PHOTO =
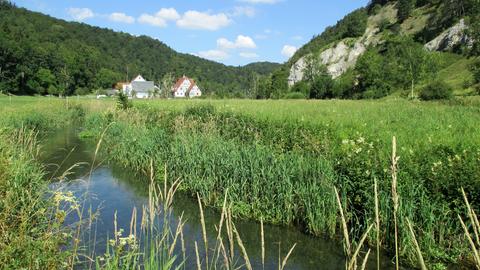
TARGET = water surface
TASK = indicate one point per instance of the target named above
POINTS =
(112, 189)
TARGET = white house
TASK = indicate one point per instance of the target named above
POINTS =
(139, 88)
(186, 87)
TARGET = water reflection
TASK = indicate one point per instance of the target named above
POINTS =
(111, 189)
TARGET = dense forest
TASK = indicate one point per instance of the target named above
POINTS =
(398, 63)
(43, 55)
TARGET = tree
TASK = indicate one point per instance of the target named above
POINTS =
(43, 80)
(313, 68)
(405, 8)
(356, 23)
(412, 62)
(322, 87)
(106, 78)
(279, 83)
(166, 85)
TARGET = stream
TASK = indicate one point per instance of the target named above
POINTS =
(111, 188)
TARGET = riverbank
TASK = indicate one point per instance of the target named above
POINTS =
(30, 226)
(284, 171)
(282, 167)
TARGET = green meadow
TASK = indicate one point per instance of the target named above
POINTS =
(280, 161)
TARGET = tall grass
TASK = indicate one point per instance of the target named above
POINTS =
(31, 232)
(284, 172)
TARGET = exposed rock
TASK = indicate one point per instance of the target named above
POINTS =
(450, 38)
(338, 58)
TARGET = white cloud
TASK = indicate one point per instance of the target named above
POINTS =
(224, 44)
(248, 55)
(80, 14)
(289, 50)
(297, 38)
(260, 1)
(121, 17)
(168, 14)
(245, 42)
(242, 42)
(152, 20)
(214, 55)
(160, 18)
(203, 21)
(243, 11)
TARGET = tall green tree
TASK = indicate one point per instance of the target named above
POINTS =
(405, 8)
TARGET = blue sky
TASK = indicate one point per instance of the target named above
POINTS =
(233, 32)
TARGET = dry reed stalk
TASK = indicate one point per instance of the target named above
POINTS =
(476, 228)
(219, 239)
(417, 247)
(472, 244)
(204, 230)
(179, 228)
(199, 266)
(284, 263)
(377, 222)
(395, 196)
(242, 248)
(344, 223)
(230, 234)
(225, 257)
(133, 222)
(184, 250)
(353, 262)
(472, 216)
(115, 226)
(365, 260)
(262, 236)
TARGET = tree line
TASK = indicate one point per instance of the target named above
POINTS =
(43, 55)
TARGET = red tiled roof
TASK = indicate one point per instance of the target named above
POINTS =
(180, 82)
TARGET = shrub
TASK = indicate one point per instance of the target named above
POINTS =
(436, 90)
(81, 91)
(475, 68)
(123, 102)
(322, 87)
(301, 87)
(294, 95)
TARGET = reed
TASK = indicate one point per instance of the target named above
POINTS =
(421, 262)
(475, 246)
(377, 223)
(395, 198)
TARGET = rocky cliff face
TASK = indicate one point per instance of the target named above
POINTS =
(338, 58)
(450, 38)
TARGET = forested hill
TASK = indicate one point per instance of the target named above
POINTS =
(44, 55)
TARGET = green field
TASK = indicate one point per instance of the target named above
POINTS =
(281, 160)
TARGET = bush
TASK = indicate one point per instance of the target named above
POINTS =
(301, 87)
(475, 68)
(122, 102)
(81, 91)
(294, 95)
(436, 90)
(322, 87)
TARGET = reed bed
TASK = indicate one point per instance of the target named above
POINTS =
(285, 173)
(31, 232)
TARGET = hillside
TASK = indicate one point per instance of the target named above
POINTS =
(41, 55)
(385, 48)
